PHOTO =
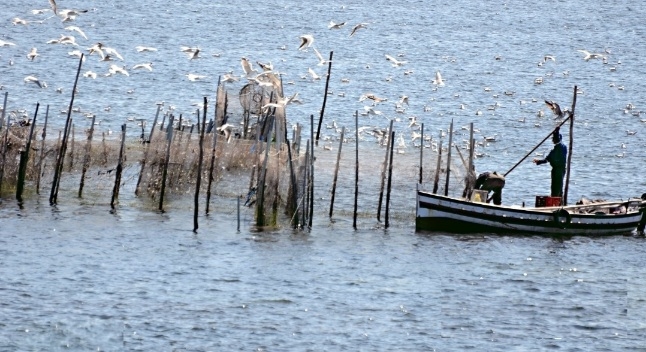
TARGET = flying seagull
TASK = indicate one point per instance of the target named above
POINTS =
(556, 109)
(438, 79)
(76, 29)
(306, 41)
(394, 61)
(32, 54)
(358, 27)
(52, 3)
(246, 66)
(333, 25)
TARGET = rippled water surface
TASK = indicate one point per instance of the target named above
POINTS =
(79, 277)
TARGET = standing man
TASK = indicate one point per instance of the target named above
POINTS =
(557, 159)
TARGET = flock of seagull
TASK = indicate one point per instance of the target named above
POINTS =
(267, 76)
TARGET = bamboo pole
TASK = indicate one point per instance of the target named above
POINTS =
(72, 134)
(311, 179)
(61, 154)
(169, 141)
(24, 158)
(421, 155)
(146, 149)
(336, 170)
(117, 178)
(356, 169)
(569, 154)
(390, 179)
(437, 168)
(4, 143)
(448, 160)
(198, 182)
(327, 84)
(4, 109)
(86, 158)
(212, 166)
(39, 169)
(384, 168)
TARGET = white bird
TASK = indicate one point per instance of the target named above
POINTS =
(313, 74)
(265, 67)
(246, 67)
(322, 61)
(90, 74)
(76, 53)
(227, 128)
(148, 66)
(32, 54)
(229, 78)
(76, 29)
(194, 54)
(32, 79)
(306, 41)
(394, 61)
(96, 48)
(589, 55)
(67, 39)
(113, 52)
(281, 102)
(145, 48)
(17, 20)
(358, 27)
(549, 57)
(187, 49)
(114, 69)
(70, 15)
(438, 79)
(556, 109)
(193, 77)
(333, 25)
(4, 43)
(52, 3)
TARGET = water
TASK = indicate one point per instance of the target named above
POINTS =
(78, 277)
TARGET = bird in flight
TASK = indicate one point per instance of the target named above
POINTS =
(306, 41)
(556, 109)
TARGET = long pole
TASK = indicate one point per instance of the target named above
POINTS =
(421, 155)
(356, 168)
(327, 84)
(390, 179)
(311, 181)
(569, 155)
(437, 168)
(24, 157)
(384, 168)
(117, 178)
(86, 159)
(42, 151)
(4, 143)
(336, 170)
(146, 148)
(198, 182)
(448, 160)
(4, 109)
(538, 145)
(169, 140)
(61, 154)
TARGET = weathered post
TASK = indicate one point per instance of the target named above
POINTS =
(327, 84)
(439, 164)
(169, 141)
(198, 182)
(448, 160)
(569, 154)
(24, 157)
(146, 148)
(336, 170)
(390, 178)
(384, 168)
(356, 169)
(4, 142)
(86, 158)
(421, 155)
(117, 178)
(39, 169)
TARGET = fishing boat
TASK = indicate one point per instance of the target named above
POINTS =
(460, 215)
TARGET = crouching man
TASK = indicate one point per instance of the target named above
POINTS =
(491, 182)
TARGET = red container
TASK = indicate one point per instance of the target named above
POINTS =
(547, 201)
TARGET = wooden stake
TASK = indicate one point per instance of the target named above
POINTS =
(39, 169)
(61, 154)
(421, 155)
(327, 84)
(169, 141)
(336, 170)
(260, 207)
(356, 169)
(437, 169)
(384, 168)
(311, 179)
(86, 158)
(448, 160)
(390, 178)
(117, 178)
(212, 166)
(4, 109)
(198, 182)
(5, 140)
(24, 157)
(146, 149)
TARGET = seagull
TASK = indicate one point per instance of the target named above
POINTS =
(70, 15)
(281, 102)
(358, 27)
(144, 48)
(549, 57)
(313, 74)
(246, 66)
(556, 109)
(4, 43)
(589, 55)
(322, 61)
(193, 77)
(32, 54)
(17, 20)
(226, 129)
(394, 61)
(187, 49)
(306, 41)
(76, 29)
(76, 53)
(229, 78)
(96, 48)
(194, 54)
(32, 79)
(112, 52)
(148, 66)
(333, 25)
(90, 74)
(372, 97)
(67, 39)
(265, 67)
(52, 3)
(438, 79)
(114, 69)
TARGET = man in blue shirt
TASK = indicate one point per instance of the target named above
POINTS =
(557, 159)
